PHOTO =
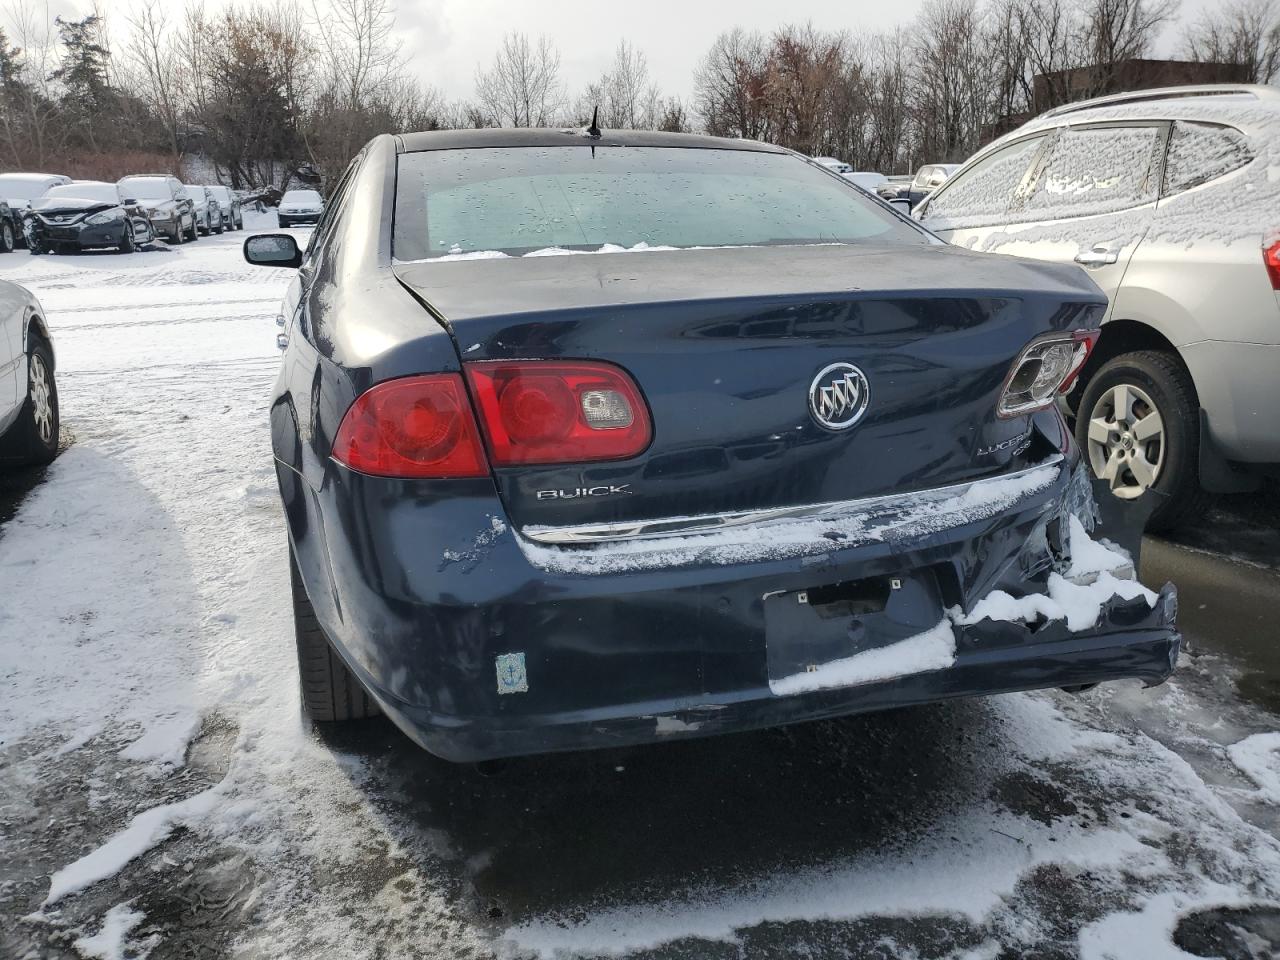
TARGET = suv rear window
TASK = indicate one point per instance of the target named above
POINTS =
(1095, 170)
(1200, 152)
(521, 200)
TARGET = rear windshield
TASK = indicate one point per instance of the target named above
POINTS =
(222, 193)
(522, 200)
(145, 188)
(301, 196)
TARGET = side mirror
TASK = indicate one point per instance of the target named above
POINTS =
(901, 204)
(131, 200)
(273, 250)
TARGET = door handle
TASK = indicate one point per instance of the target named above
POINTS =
(282, 340)
(1101, 255)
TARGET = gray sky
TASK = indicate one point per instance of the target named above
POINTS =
(448, 39)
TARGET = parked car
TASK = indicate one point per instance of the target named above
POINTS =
(867, 180)
(897, 186)
(207, 208)
(831, 163)
(28, 392)
(228, 206)
(300, 206)
(84, 215)
(10, 227)
(621, 438)
(927, 179)
(1170, 201)
(17, 190)
(170, 211)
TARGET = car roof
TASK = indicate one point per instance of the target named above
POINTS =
(1244, 105)
(33, 176)
(547, 137)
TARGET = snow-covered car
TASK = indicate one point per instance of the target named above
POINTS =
(228, 204)
(1171, 202)
(207, 208)
(895, 186)
(300, 206)
(28, 394)
(17, 190)
(831, 163)
(85, 215)
(160, 195)
(866, 179)
(617, 438)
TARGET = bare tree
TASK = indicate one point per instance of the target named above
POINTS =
(1246, 32)
(729, 86)
(1119, 30)
(522, 88)
(157, 77)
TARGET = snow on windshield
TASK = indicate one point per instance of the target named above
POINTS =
(145, 188)
(1222, 186)
(103, 192)
(17, 187)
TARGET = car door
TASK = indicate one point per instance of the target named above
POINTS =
(1090, 201)
(13, 371)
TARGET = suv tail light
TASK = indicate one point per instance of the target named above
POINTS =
(552, 411)
(418, 427)
(1271, 257)
(1046, 367)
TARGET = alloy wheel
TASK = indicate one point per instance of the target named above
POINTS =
(1126, 440)
(41, 393)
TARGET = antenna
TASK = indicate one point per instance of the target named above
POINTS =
(594, 129)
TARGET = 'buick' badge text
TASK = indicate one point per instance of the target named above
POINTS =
(577, 492)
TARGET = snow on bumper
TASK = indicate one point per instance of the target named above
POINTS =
(629, 643)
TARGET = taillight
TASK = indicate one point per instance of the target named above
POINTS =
(412, 427)
(552, 411)
(1271, 257)
(1046, 367)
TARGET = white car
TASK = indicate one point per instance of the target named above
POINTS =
(1170, 199)
(28, 395)
(300, 206)
(867, 180)
(831, 163)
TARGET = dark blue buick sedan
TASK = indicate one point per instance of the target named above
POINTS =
(589, 439)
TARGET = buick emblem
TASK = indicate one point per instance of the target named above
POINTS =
(839, 395)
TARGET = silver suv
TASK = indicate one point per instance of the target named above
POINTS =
(1170, 199)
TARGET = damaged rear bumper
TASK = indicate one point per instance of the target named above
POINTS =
(480, 642)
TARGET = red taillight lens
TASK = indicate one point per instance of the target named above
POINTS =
(413, 427)
(1085, 341)
(1271, 257)
(550, 411)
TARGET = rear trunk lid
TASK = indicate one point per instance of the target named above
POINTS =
(725, 345)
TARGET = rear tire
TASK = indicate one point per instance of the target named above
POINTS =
(33, 438)
(194, 232)
(1155, 384)
(7, 237)
(127, 243)
(330, 693)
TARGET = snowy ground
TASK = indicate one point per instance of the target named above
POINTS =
(160, 795)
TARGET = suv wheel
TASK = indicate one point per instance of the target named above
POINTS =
(330, 692)
(6, 237)
(194, 232)
(1138, 427)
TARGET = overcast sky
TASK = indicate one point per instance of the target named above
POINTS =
(448, 39)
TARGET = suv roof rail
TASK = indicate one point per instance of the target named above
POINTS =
(1257, 91)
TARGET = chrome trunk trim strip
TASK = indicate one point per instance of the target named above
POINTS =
(711, 523)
